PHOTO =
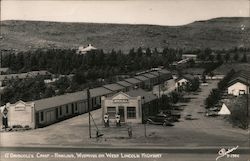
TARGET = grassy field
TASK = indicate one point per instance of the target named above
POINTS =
(215, 33)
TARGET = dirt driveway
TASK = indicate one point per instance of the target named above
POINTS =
(204, 131)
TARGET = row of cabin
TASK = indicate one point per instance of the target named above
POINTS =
(47, 111)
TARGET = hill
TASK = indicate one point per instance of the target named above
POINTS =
(219, 33)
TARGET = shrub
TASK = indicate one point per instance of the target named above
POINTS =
(17, 126)
(238, 117)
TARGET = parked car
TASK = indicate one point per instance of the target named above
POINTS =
(212, 114)
(160, 119)
(172, 115)
(188, 117)
(214, 109)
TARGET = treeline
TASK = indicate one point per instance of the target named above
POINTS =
(93, 65)
(231, 55)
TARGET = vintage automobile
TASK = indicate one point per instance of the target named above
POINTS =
(212, 114)
(188, 117)
(159, 119)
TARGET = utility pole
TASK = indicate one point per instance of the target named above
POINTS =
(248, 86)
(159, 84)
(145, 119)
(88, 99)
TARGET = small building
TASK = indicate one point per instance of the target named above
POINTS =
(182, 81)
(224, 110)
(189, 56)
(129, 108)
(129, 105)
(238, 87)
(21, 114)
(239, 83)
(84, 50)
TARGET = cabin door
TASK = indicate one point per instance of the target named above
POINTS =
(121, 112)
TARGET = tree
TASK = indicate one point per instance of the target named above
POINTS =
(193, 85)
(174, 96)
(213, 98)
(219, 57)
(49, 92)
(211, 58)
(227, 57)
(244, 58)
(236, 57)
(207, 51)
(238, 116)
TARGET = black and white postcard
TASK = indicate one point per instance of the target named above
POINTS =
(124, 80)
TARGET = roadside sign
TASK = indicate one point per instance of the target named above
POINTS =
(5, 112)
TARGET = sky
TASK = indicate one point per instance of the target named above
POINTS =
(156, 12)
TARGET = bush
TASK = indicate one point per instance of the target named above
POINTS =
(238, 117)
(213, 98)
(27, 127)
(17, 126)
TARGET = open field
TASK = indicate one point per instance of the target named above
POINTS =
(220, 33)
(200, 132)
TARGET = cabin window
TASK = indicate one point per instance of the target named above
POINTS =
(67, 109)
(41, 116)
(242, 92)
(60, 110)
(111, 112)
(131, 112)
(75, 106)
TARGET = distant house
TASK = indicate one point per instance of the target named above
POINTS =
(238, 87)
(189, 56)
(224, 110)
(182, 81)
(239, 84)
(84, 50)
